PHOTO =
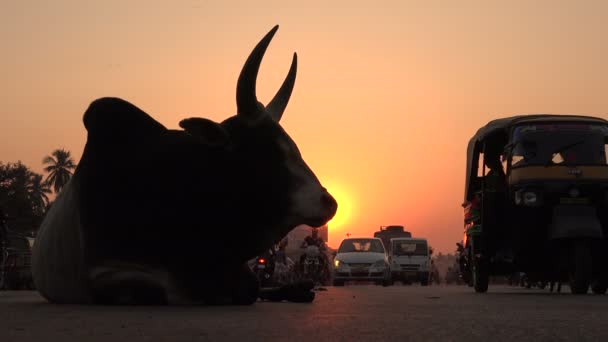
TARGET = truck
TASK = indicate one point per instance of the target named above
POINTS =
(386, 233)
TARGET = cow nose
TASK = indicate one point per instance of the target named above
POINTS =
(328, 202)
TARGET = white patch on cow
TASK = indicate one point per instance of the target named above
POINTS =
(57, 260)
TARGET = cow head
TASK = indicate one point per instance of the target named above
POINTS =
(270, 166)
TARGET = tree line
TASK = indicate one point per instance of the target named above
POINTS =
(25, 194)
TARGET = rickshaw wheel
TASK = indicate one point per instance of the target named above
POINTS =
(480, 275)
(580, 273)
(479, 271)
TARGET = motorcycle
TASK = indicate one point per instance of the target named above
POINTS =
(314, 265)
(264, 268)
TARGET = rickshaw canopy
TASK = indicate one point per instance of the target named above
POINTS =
(497, 131)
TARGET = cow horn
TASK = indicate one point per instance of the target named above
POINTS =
(246, 100)
(276, 107)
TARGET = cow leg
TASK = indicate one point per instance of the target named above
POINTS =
(240, 287)
(216, 284)
(113, 286)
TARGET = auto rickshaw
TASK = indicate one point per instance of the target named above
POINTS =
(536, 201)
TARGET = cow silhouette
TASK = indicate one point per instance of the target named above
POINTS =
(160, 216)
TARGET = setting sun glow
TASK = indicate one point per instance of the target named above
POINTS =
(344, 212)
(386, 97)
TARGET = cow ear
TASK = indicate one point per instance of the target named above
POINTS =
(210, 132)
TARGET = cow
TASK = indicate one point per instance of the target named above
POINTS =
(170, 216)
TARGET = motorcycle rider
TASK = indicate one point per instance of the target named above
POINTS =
(283, 264)
(280, 253)
(314, 240)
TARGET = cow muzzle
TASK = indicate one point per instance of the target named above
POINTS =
(329, 203)
(327, 210)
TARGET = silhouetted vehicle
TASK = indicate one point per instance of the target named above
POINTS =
(536, 198)
(284, 271)
(273, 268)
(531, 281)
(463, 267)
(452, 276)
(433, 275)
(514, 279)
(264, 268)
(386, 233)
(15, 268)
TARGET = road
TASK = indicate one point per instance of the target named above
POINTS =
(350, 313)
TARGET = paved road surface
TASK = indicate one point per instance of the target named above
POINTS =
(351, 313)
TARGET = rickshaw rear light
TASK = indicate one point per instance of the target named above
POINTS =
(261, 261)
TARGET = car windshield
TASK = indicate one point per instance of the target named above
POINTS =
(559, 144)
(410, 248)
(361, 245)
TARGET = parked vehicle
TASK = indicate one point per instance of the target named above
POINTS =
(264, 267)
(15, 266)
(536, 200)
(361, 259)
(410, 261)
(284, 271)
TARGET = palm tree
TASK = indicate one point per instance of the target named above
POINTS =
(60, 166)
(37, 191)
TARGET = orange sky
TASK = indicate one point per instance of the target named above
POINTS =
(388, 93)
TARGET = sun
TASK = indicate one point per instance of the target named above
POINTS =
(343, 214)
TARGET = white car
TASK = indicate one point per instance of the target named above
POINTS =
(410, 260)
(361, 259)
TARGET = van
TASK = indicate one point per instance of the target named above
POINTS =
(410, 260)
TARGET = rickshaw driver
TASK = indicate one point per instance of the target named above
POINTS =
(496, 180)
(496, 183)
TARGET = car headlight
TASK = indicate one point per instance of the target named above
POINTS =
(379, 263)
(337, 263)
